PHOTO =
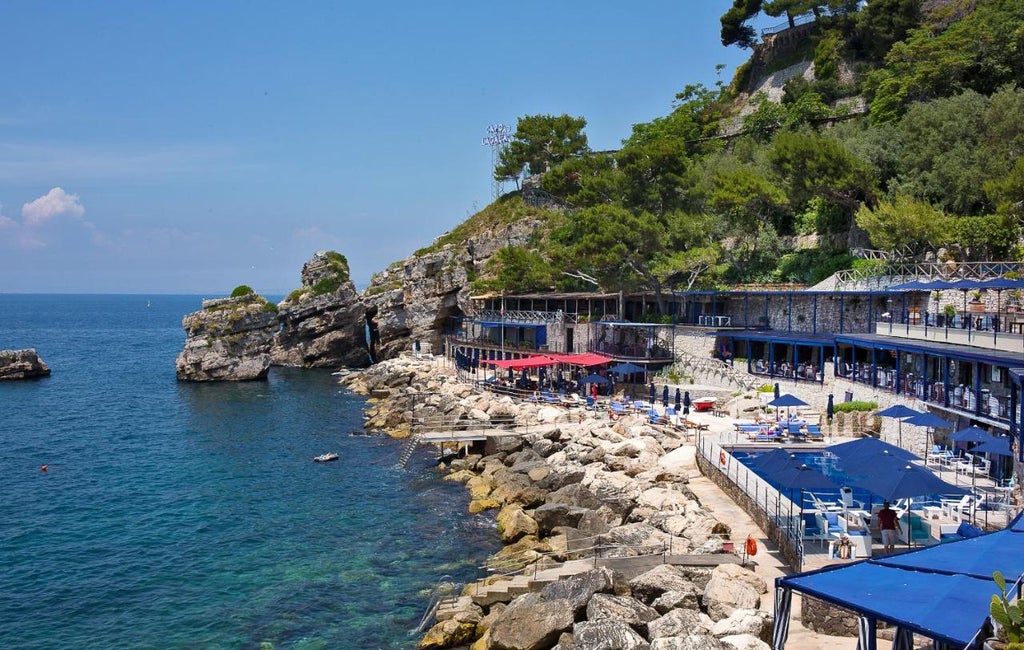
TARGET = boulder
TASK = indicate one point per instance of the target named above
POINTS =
(530, 626)
(621, 608)
(662, 578)
(448, 634)
(577, 590)
(228, 340)
(729, 590)
(745, 642)
(686, 599)
(513, 523)
(680, 622)
(606, 634)
(755, 622)
(22, 364)
(323, 323)
(690, 642)
(553, 515)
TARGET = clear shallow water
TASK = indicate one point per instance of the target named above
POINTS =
(178, 515)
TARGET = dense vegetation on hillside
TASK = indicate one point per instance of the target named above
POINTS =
(936, 166)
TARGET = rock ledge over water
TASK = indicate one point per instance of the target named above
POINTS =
(22, 364)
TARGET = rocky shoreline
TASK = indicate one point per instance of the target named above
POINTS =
(576, 486)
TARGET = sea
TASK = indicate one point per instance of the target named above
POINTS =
(188, 515)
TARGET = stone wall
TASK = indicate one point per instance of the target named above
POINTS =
(826, 618)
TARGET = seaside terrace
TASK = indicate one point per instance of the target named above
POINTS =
(958, 358)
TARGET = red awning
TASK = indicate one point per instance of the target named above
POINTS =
(535, 361)
(585, 359)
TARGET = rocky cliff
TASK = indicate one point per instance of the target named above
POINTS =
(228, 340)
(322, 324)
(22, 364)
(414, 300)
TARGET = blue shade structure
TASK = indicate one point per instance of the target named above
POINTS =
(971, 434)
(900, 412)
(907, 481)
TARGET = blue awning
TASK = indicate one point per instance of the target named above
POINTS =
(949, 608)
(977, 557)
(510, 324)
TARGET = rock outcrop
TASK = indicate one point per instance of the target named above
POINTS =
(228, 340)
(22, 364)
(412, 300)
(322, 324)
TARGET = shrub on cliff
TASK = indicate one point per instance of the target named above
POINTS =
(242, 290)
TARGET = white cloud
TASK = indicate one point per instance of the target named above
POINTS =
(54, 203)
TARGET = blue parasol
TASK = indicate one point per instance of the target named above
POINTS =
(971, 434)
(999, 446)
(595, 379)
(654, 393)
(906, 482)
(664, 396)
(900, 412)
(679, 400)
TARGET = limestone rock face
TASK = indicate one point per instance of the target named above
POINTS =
(413, 300)
(22, 364)
(323, 324)
(228, 340)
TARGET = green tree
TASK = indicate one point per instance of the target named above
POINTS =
(811, 164)
(903, 222)
(735, 31)
(516, 269)
(981, 51)
(541, 142)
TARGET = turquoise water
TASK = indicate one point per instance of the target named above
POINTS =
(177, 515)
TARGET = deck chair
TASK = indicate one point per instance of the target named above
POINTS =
(812, 530)
(814, 432)
(955, 510)
(914, 530)
(846, 497)
(822, 506)
(829, 523)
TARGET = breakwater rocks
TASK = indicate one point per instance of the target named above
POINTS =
(22, 364)
(606, 546)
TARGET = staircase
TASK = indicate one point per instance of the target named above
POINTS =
(410, 448)
(711, 367)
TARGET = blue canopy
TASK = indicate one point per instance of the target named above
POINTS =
(971, 434)
(627, 369)
(869, 448)
(942, 592)
(893, 483)
(595, 379)
(999, 446)
(998, 284)
(929, 420)
(787, 400)
(949, 608)
(916, 285)
(899, 412)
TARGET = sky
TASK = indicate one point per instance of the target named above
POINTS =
(190, 147)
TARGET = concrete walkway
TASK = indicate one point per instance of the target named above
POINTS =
(769, 565)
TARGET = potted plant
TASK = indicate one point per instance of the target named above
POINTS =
(950, 312)
(1014, 303)
(976, 304)
(1008, 619)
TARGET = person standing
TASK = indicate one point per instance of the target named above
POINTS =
(889, 524)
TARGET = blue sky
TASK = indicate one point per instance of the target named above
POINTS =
(189, 147)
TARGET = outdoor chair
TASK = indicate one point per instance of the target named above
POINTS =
(814, 432)
(955, 510)
(914, 529)
(812, 530)
(829, 523)
(590, 403)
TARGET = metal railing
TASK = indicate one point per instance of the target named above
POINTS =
(898, 271)
(442, 592)
(772, 510)
(526, 316)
